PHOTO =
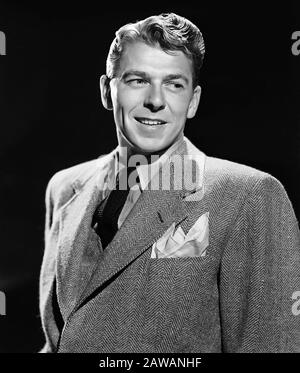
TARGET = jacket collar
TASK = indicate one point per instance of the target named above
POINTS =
(183, 151)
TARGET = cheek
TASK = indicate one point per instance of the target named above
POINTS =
(179, 107)
(127, 100)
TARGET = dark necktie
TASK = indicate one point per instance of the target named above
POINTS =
(107, 221)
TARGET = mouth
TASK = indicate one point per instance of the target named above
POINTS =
(150, 122)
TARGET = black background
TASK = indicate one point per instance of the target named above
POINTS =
(51, 115)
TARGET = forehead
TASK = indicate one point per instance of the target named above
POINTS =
(154, 61)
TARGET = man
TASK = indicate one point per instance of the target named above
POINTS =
(190, 253)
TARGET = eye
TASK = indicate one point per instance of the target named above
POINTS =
(175, 85)
(137, 82)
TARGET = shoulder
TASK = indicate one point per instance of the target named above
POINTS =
(63, 184)
(229, 184)
(69, 175)
(223, 170)
(239, 175)
(244, 185)
(225, 174)
(251, 195)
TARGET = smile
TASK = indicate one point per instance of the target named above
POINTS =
(150, 122)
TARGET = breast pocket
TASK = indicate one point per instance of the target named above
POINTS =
(176, 291)
(173, 278)
(180, 272)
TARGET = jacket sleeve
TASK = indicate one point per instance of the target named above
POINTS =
(260, 274)
(48, 221)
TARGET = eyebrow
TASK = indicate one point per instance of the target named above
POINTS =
(144, 75)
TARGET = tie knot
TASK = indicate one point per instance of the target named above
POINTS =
(127, 178)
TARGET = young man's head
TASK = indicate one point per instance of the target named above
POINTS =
(151, 80)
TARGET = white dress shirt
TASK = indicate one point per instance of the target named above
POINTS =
(145, 174)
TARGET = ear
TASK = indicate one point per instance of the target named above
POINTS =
(105, 92)
(193, 106)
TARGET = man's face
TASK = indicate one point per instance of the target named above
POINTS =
(153, 96)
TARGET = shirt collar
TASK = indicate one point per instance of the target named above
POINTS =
(147, 172)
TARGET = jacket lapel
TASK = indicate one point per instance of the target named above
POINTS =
(140, 230)
(75, 227)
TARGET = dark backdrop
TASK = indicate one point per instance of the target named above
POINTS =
(51, 115)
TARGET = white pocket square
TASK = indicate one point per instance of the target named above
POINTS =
(175, 244)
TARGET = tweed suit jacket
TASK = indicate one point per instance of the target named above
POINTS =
(236, 298)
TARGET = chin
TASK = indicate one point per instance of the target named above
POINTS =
(150, 147)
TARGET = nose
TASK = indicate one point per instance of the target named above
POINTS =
(155, 100)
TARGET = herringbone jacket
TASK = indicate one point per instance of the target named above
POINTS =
(239, 297)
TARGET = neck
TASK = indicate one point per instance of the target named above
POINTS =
(128, 149)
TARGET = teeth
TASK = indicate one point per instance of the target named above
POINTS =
(151, 122)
